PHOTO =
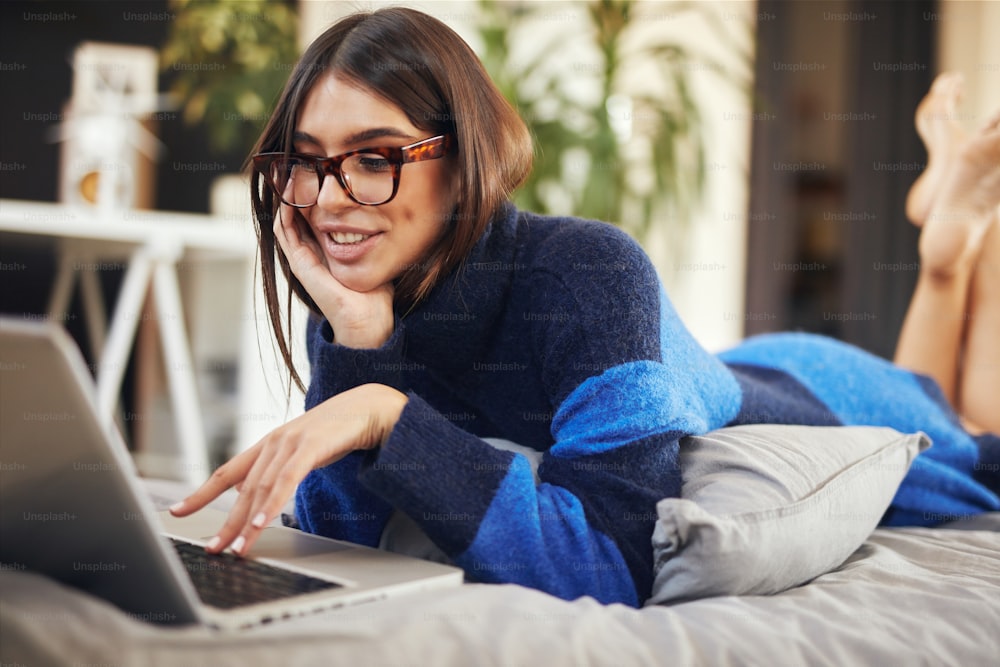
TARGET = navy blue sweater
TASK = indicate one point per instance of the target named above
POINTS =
(557, 335)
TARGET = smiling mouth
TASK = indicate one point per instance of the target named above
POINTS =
(348, 238)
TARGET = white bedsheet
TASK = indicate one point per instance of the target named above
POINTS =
(908, 596)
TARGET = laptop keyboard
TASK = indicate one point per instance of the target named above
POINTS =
(227, 581)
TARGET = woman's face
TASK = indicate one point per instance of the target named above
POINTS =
(367, 246)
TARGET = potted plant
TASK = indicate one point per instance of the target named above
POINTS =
(626, 155)
(229, 60)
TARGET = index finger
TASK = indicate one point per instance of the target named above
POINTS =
(300, 249)
(222, 479)
(286, 228)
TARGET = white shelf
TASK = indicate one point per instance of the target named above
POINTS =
(155, 248)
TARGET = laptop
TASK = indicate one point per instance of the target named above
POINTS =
(73, 508)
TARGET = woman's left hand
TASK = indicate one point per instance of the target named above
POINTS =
(268, 473)
(358, 319)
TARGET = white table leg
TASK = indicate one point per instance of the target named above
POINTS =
(121, 335)
(191, 444)
(62, 288)
(93, 307)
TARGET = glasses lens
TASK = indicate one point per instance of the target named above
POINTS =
(296, 180)
(369, 177)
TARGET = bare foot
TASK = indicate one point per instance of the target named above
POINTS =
(938, 127)
(965, 205)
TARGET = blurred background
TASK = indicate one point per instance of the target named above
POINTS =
(759, 151)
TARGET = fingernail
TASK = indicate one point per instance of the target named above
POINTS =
(212, 543)
(238, 544)
(177, 507)
(259, 520)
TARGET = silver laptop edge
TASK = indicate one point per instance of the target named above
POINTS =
(71, 506)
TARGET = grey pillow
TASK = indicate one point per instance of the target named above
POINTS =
(767, 507)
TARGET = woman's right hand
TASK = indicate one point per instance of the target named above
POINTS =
(267, 474)
(358, 319)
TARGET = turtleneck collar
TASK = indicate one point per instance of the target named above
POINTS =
(460, 313)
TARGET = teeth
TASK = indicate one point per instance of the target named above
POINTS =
(342, 237)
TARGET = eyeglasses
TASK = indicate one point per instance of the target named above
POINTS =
(369, 176)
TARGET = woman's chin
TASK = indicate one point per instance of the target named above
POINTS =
(357, 283)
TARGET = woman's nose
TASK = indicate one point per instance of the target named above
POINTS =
(332, 194)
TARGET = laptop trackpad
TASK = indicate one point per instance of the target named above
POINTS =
(280, 542)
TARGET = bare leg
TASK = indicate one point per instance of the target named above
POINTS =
(952, 288)
(930, 341)
(979, 390)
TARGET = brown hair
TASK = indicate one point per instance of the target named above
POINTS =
(422, 66)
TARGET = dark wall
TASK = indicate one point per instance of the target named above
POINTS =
(37, 40)
(830, 249)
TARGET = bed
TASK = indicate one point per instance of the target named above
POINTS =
(894, 596)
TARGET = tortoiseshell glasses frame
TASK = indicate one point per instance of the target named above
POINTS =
(369, 176)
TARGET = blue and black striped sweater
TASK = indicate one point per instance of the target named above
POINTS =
(557, 335)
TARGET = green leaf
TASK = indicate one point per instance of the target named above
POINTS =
(671, 124)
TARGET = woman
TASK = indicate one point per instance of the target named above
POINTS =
(442, 315)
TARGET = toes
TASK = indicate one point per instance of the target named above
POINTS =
(992, 123)
(948, 83)
(942, 81)
(941, 102)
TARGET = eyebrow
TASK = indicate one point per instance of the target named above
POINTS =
(357, 137)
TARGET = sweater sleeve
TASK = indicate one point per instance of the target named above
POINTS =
(336, 368)
(330, 500)
(620, 407)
